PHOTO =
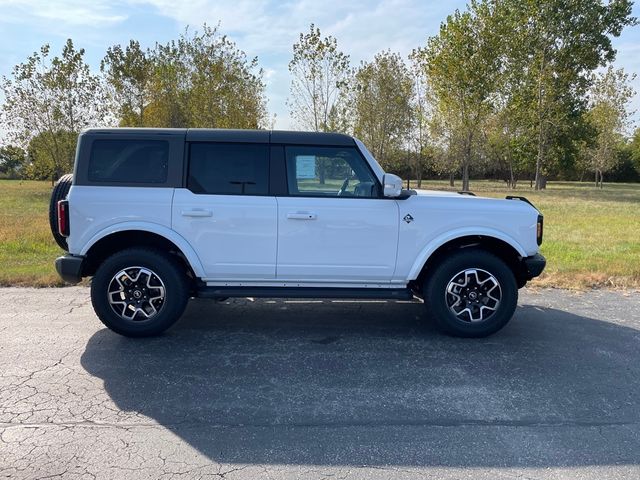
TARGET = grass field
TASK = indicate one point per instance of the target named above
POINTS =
(592, 237)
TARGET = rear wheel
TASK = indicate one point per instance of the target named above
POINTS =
(472, 293)
(60, 191)
(139, 292)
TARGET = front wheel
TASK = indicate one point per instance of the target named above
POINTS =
(472, 293)
(139, 292)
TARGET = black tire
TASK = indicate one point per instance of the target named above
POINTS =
(167, 269)
(60, 191)
(456, 268)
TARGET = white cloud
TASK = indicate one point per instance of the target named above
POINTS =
(268, 30)
(70, 12)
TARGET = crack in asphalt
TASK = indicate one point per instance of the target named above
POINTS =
(268, 389)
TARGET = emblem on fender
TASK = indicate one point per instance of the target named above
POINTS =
(408, 218)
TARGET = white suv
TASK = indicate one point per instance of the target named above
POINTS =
(157, 216)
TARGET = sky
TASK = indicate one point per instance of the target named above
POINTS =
(266, 29)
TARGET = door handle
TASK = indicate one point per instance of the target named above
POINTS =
(197, 212)
(301, 216)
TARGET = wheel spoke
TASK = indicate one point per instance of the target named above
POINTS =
(136, 293)
(473, 295)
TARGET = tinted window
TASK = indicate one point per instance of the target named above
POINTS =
(129, 161)
(330, 172)
(229, 169)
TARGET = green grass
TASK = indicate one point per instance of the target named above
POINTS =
(592, 237)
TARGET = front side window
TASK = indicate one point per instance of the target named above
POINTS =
(329, 172)
(228, 169)
(129, 161)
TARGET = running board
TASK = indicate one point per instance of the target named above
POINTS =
(306, 292)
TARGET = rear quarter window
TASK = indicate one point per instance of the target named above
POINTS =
(129, 161)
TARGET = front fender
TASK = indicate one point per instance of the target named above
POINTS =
(437, 242)
(161, 230)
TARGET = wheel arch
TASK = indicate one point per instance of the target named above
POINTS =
(107, 242)
(504, 248)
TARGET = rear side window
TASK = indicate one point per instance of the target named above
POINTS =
(129, 161)
(229, 169)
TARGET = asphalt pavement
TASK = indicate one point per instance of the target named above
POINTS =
(280, 389)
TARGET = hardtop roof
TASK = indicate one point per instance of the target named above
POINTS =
(234, 135)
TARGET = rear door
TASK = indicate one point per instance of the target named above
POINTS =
(226, 213)
(334, 226)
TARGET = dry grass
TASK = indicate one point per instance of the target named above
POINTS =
(592, 237)
(27, 249)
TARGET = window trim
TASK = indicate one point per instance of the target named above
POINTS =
(380, 195)
(187, 168)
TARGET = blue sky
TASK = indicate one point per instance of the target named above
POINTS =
(266, 29)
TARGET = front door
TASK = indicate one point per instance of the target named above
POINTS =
(226, 213)
(333, 226)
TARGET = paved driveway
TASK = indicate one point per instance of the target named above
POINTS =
(283, 389)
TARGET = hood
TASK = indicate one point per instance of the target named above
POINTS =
(456, 200)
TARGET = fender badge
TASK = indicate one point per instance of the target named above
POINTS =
(408, 218)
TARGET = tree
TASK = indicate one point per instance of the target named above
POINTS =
(421, 114)
(52, 100)
(462, 65)
(321, 73)
(12, 160)
(507, 149)
(634, 147)
(128, 73)
(200, 80)
(223, 90)
(549, 53)
(383, 90)
(609, 116)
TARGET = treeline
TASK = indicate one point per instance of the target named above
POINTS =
(202, 79)
(521, 90)
(511, 89)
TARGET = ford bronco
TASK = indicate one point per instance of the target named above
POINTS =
(157, 216)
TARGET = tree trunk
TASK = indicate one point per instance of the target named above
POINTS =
(540, 156)
(452, 179)
(512, 183)
(538, 178)
(465, 177)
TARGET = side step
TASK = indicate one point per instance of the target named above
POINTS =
(306, 292)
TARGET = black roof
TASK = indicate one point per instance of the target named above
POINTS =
(230, 135)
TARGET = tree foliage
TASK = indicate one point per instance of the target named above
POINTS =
(608, 116)
(550, 49)
(382, 107)
(320, 77)
(52, 99)
(462, 64)
(128, 73)
(200, 80)
(12, 160)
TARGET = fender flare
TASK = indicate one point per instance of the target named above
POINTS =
(440, 240)
(166, 232)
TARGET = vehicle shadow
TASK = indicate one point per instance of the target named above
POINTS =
(368, 383)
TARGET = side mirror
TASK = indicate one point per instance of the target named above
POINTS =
(392, 185)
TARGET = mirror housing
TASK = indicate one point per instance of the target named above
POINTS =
(392, 185)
